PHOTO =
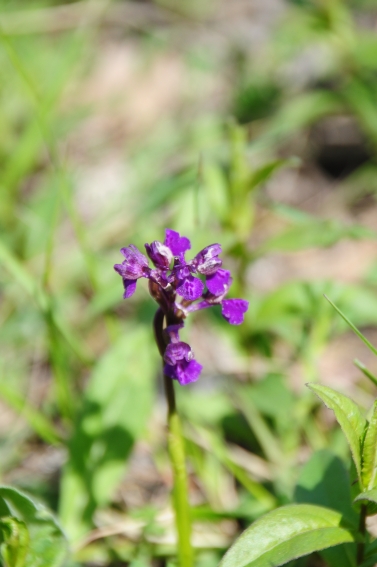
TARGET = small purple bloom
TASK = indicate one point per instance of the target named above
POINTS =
(176, 352)
(207, 261)
(160, 254)
(234, 309)
(219, 282)
(135, 264)
(177, 244)
(173, 276)
(129, 288)
(185, 372)
(190, 288)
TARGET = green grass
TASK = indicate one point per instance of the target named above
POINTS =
(97, 153)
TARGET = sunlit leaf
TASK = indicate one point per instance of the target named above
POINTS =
(285, 534)
(16, 541)
(324, 480)
(348, 416)
(46, 546)
(369, 452)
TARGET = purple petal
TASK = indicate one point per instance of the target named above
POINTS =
(135, 264)
(233, 310)
(207, 261)
(160, 254)
(181, 273)
(184, 372)
(176, 352)
(219, 283)
(159, 276)
(177, 244)
(191, 288)
(172, 331)
(129, 288)
(132, 254)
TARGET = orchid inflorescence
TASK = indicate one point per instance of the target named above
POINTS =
(173, 276)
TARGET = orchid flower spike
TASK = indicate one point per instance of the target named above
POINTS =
(198, 283)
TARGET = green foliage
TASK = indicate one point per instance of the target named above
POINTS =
(369, 455)
(115, 411)
(84, 171)
(285, 534)
(16, 541)
(349, 418)
(31, 535)
(324, 480)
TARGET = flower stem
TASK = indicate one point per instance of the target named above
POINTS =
(177, 459)
(362, 530)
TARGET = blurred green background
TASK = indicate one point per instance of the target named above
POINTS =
(249, 123)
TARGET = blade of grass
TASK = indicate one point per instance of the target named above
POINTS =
(42, 299)
(215, 444)
(42, 109)
(352, 326)
(365, 371)
(37, 421)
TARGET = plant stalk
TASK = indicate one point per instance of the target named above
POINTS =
(177, 459)
(362, 530)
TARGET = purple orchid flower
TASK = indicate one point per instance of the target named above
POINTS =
(172, 275)
(179, 358)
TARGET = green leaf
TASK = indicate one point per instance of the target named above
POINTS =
(285, 534)
(117, 404)
(47, 546)
(370, 495)
(16, 541)
(369, 452)
(370, 561)
(370, 498)
(325, 481)
(348, 416)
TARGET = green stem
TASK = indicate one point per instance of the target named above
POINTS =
(362, 530)
(177, 458)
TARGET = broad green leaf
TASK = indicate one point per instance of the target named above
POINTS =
(16, 541)
(285, 534)
(371, 561)
(325, 481)
(116, 407)
(369, 497)
(348, 416)
(369, 452)
(47, 546)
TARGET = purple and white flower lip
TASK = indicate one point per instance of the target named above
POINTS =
(173, 276)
